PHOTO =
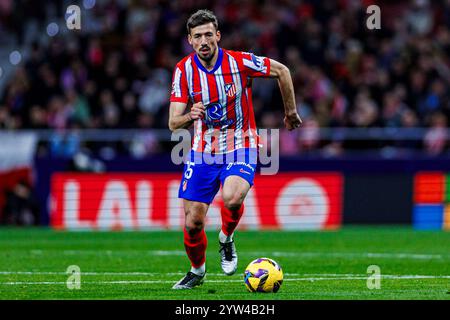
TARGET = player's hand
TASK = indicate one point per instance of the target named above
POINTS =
(197, 111)
(292, 120)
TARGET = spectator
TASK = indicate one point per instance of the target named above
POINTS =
(116, 72)
(21, 208)
(435, 139)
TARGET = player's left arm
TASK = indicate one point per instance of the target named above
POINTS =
(278, 70)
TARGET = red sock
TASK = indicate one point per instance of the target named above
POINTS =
(196, 247)
(230, 219)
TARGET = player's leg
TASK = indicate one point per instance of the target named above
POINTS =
(195, 243)
(198, 188)
(234, 191)
(237, 179)
(195, 240)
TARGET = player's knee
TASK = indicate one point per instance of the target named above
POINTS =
(193, 227)
(233, 202)
(194, 223)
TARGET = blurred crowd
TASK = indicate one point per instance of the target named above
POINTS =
(116, 71)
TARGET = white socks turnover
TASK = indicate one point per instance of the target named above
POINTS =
(224, 238)
(200, 270)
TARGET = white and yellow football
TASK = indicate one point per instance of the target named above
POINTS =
(263, 275)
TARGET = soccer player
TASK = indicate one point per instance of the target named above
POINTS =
(216, 84)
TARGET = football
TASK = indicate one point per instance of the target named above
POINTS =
(263, 275)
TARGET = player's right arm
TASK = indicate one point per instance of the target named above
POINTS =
(180, 120)
(179, 98)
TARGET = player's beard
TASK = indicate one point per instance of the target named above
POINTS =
(208, 57)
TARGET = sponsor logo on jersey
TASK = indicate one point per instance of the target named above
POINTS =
(214, 115)
(196, 93)
(240, 163)
(220, 123)
(256, 63)
(214, 111)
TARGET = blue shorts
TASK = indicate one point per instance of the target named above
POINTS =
(203, 173)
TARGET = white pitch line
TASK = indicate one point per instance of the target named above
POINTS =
(96, 273)
(359, 255)
(306, 275)
(211, 281)
(311, 279)
(351, 255)
(104, 273)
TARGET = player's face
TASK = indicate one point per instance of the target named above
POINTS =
(204, 39)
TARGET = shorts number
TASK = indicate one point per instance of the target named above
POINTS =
(189, 171)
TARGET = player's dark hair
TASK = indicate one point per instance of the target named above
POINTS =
(201, 17)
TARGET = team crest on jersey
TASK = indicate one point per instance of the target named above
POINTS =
(230, 89)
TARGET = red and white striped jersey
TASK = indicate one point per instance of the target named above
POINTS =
(226, 93)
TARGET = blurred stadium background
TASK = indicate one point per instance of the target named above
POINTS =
(373, 149)
(84, 145)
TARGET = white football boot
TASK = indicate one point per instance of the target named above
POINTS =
(228, 257)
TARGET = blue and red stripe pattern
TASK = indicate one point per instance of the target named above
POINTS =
(229, 123)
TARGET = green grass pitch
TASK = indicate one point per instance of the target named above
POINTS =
(144, 265)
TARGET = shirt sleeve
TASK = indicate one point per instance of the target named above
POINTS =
(255, 66)
(179, 91)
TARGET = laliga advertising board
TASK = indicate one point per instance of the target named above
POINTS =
(127, 201)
